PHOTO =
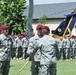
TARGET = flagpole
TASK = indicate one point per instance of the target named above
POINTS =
(23, 67)
(68, 26)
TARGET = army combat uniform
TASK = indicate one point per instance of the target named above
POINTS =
(60, 48)
(35, 64)
(5, 54)
(48, 47)
(18, 47)
(25, 43)
(66, 48)
(73, 48)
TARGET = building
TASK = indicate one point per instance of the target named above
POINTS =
(54, 12)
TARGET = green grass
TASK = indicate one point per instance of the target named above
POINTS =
(63, 67)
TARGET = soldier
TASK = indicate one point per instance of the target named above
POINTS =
(48, 46)
(5, 50)
(35, 64)
(60, 47)
(18, 46)
(25, 43)
(14, 46)
(73, 47)
(66, 48)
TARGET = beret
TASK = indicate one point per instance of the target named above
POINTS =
(46, 27)
(33, 34)
(39, 26)
(0, 29)
(19, 35)
(4, 27)
(25, 34)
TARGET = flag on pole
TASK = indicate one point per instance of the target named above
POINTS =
(65, 27)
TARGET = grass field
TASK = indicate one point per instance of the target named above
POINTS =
(63, 67)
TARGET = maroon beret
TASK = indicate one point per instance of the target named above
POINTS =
(46, 27)
(4, 27)
(25, 35)
(0, 29)
(19, 35)
(39, 26)
(33, 34)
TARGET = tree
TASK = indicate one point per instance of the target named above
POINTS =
(29, 20)
(11, 12)
(42, 19)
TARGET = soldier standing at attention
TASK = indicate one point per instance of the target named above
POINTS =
(66, 47)
(73, 47)
(48, 47)
(25, 43)
(18, 46)
(5, 50)
(60, 48)
(35, 64)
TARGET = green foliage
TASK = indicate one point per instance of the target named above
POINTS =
(11, 12)
(42, 19)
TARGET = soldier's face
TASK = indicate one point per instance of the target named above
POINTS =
(39, 32)
(6, 32)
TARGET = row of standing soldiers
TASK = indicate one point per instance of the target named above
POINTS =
(20, 42)
(66, 47)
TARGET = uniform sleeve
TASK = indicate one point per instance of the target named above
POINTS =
(56, 45)
(32, 48)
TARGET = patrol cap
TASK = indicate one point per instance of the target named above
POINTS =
(39, 26)
(4, 27)
(46, 28)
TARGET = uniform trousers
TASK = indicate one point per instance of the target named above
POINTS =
(73, 53)
(59, 53)
(4, 67)
(48, 69)
(35, 68)
(24, 54)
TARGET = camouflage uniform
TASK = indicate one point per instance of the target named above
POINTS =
(48, 47)
(18, 47)
(66, 48)
(73, 48)
(35, 64)
(60, 47)
(25, 43)
(14, 47)
(5, 54)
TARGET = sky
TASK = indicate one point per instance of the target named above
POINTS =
(49, 1)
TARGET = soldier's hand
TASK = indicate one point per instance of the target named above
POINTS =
(28, 59)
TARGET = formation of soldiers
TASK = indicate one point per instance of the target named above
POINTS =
(66, 48)
(20, 42)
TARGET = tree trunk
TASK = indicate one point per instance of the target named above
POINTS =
(29, 21)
